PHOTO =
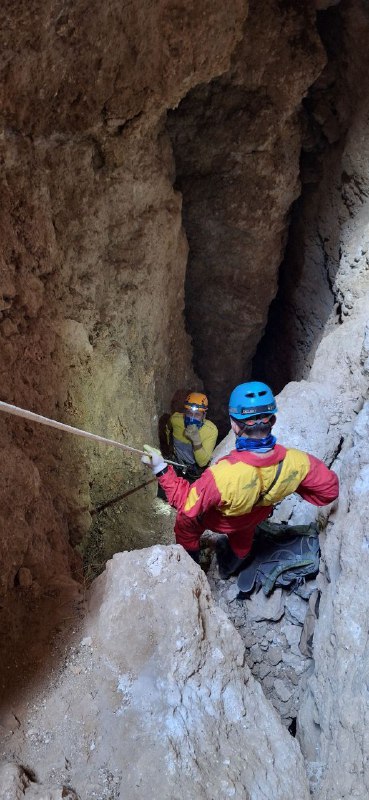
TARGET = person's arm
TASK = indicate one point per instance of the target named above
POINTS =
(203, 442)
(320, 486)
(192, 499)
(208, 435)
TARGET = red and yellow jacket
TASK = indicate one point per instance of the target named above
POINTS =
(232, 495)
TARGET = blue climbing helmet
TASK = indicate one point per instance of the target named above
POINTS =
(250, 400)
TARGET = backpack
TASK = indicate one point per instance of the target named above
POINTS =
(282, 556)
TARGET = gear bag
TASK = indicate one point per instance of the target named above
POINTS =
(282, 556)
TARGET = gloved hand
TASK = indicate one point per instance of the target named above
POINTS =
(193, 434)
(153, 459)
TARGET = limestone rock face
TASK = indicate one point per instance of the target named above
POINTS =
(333, 719)
(111, 64)
(155, 698)
(92, 243)
(332, 722)
(332, 725)
(27, 512)
(324, 270)
(16, 783)
(271, 629)
(237, 144)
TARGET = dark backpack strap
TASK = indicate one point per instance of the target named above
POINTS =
(273, 483)
(290, 566)
(282, 560)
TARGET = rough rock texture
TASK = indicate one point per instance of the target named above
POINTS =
(319, 414)
(155, 699)
(333, 720)
(271, 630)
(237, 144)
(17, 783)
(92, 243)
(327, 242)
(333, 726)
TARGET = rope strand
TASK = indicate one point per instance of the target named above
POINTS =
(61, 426)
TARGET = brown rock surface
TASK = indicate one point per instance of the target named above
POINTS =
(325, 249)
(91, 331)
(17, 783)
(328, 414)
(93, 256)
(237, 144)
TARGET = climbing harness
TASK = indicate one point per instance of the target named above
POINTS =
(52, 423)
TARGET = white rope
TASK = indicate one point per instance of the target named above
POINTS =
(61, 426)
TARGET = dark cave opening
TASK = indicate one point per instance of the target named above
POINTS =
(307, 302)
(260, 277)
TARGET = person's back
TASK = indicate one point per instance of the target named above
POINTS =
(247, 479)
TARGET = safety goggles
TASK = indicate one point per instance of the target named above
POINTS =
(263, 420)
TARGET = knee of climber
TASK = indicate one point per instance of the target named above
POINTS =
(241, 542)
(188, 531)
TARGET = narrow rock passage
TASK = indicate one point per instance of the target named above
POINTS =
(121, 128)
(271, 629)
(236, 143)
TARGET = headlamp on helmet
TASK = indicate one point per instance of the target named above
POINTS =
(196, 401)
(196, 406)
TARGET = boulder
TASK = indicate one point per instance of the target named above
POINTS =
(155, 699)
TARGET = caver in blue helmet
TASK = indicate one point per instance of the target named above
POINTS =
(250, 400)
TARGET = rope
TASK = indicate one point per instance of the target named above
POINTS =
(120, 497)
(61, 426)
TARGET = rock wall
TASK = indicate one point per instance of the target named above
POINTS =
(311, 299)
(92, 241)
(92, 244)
(328, 414)
(272, 630)
(175, 714)
(332, 720)
(333, 717)
(237, 145)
